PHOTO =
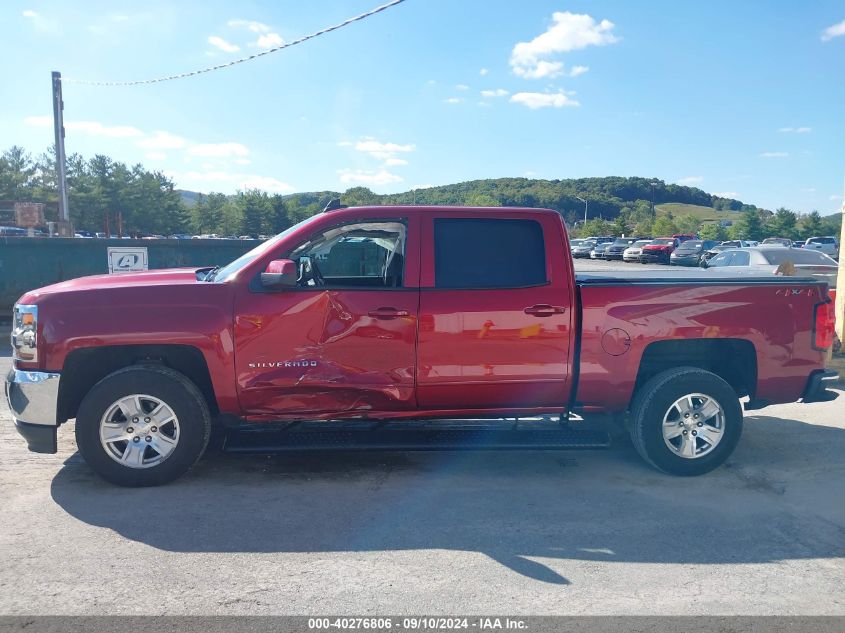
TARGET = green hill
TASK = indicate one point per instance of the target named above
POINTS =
(705, 214)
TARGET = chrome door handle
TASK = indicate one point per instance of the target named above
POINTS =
(388, 313)
(544, 310)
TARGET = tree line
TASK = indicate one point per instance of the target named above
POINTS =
(102, 190)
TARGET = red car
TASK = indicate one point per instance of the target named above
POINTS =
(659, 251)
(378, 327)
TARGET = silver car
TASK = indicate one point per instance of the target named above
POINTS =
(583, 249)
(827, 245)
(633, 252)
(775, 260)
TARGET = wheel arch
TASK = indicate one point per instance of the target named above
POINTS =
(732, 359)
(83, 368)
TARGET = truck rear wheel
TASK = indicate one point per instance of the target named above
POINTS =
(144, 425)
(686, 421)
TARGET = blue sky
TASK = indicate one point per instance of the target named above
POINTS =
(745, 99)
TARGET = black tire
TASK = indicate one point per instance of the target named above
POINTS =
(655, 398)
(169, 386)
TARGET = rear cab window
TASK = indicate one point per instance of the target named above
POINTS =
(488, 253)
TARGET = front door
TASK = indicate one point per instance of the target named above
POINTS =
(343, 341)
(495, 313)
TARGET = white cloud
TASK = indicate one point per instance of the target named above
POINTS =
(568, 32)
(774, 154)
(38, 21)
(206, 181)
(834, 197)
(498, 92)
(483, 72)
(38, 121)
(535, 100)
(242, 161)
(461, 87)
(268, 40)
(95, 128)
(156, 155)
(218, 42)
(363, 177)
(578, 70)
(690, 180)
(218, 150)
(395, 162)
(379, 150)
(796, 130)
(453, 100)
(834, 30)
(252, 25)
(541, 69)
(726, 194)
(163, 140)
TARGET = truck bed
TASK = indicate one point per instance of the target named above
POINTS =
(683, 276)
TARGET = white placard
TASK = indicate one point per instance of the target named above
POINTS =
(127, 259)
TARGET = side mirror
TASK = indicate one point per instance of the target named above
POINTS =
(280, 273)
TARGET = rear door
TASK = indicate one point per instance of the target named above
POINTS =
(495, 312)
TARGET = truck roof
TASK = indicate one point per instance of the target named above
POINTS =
(424, 209)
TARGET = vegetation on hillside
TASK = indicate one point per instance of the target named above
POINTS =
(101, 190)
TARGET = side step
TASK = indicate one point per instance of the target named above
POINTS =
(413, 440)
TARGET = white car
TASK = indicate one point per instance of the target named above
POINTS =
(633, 252)
(775, 260)
(827, 245)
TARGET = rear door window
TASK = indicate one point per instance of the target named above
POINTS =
(488, 253)
(740, 259)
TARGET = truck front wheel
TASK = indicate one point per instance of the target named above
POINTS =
(143, 425)
(686, 421)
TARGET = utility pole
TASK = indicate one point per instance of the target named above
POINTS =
(65, 229)
(585, 207)
(654, 183)
(840, 285)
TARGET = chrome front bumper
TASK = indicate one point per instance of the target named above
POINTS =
(33, 398)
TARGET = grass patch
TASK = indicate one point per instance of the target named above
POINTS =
(697, 211)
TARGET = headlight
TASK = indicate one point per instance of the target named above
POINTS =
(25, 333)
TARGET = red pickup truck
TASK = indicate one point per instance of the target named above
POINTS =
(409, 328)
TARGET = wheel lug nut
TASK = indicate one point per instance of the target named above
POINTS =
(146, 419)
(138, 439)
(695, 416)
(695, 432)
(130, 430)
(149, 439)
(135, 420)
(686, 415)
(701, 424)
(153, 429)
(685, 432)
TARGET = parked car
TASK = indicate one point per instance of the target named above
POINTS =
(12, 231)
(617, 248)
(736, 243)
(689, 253)
(600, 250)
(712, 252)
(385, 315)
(777, 241)
(771, 260)
(828, 245)
(633, 252)
(683, 237)
(659, 250)
(583, 249)
(796, 244)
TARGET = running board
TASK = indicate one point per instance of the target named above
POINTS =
(413, 440)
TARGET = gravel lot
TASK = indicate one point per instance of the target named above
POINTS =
(438, 533)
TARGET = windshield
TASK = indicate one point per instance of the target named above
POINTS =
(623, 242)
(663, 242)
(690, 245)
(230, 270)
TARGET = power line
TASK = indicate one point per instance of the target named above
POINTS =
(192, 73)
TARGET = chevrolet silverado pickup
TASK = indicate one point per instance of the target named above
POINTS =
(409, 328)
